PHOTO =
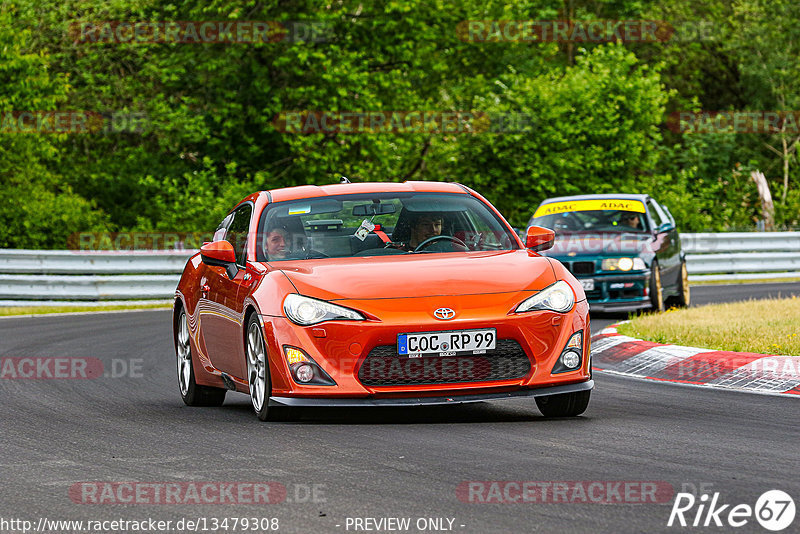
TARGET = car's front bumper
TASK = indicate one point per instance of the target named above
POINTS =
(623, 306)
(341, 348)
(425, 401)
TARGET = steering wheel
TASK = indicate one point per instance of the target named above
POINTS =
(436, 238)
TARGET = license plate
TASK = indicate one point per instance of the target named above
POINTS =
(588, 284)
(447, 343)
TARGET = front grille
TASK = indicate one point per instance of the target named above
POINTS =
(582, 267)
(625, 293)
(384, 367)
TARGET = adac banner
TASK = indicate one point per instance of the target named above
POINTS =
(590, 205)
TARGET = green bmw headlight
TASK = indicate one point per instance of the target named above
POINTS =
(623, 264)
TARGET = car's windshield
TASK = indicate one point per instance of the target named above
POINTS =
(565, 217)
(379, 224)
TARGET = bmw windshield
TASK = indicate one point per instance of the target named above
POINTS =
(379, 224)
(599, 216)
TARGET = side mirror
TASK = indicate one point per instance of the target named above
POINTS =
(220, 254)
(539, 238)
(665, 227)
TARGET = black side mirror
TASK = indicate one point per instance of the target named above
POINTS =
(220, 254)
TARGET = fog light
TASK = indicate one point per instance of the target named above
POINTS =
(571, 356)
(571, 359)
(304, 370)
(304, 373)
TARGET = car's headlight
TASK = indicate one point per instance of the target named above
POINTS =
(623, 264)
(557, 297)
(307, 311)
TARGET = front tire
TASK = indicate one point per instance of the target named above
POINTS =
(564, 405)
(258, 369)
(656, 289)
(192, 393)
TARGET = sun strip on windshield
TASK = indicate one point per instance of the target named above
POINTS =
(590, 205)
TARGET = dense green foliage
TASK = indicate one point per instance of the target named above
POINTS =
(598, 111)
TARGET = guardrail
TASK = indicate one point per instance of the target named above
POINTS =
(705, 243)
(57, 275)
(71, 275)
(742, 255)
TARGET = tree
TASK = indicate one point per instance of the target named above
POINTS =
(39, 210)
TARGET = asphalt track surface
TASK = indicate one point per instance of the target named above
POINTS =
(374, 463)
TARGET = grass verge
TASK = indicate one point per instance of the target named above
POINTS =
(40, 310)
(769, 326)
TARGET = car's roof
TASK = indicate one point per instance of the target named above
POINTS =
(621, 196)
(311, 191)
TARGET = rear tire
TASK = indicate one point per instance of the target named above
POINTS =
(656, 290)
(564, 405)
(192, 393)
(683, 299)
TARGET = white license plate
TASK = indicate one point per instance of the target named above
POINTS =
(588, 284)
(447, 343)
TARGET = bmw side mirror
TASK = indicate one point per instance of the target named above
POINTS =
(539, 238)
(220, 254)
(665, 227)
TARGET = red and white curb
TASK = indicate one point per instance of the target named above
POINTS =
(747, 371)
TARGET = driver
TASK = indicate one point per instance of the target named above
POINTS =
(426, 226)
(630, 219)
(421, 226)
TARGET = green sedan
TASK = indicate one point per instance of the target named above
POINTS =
(624, 249)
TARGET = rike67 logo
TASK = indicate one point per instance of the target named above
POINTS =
(774, 510)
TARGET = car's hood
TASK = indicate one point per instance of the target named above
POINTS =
(419, 275)
(600, 244)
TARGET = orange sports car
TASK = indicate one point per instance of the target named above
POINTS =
(379, 294)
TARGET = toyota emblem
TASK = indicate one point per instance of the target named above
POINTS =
(444, 314)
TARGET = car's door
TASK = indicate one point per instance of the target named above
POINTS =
(667, 243)
(222, 298)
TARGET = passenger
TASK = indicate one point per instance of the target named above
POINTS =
(275, 243)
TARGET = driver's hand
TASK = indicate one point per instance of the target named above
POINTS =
(399, 245)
